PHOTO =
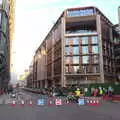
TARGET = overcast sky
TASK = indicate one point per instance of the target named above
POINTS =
(34, 18)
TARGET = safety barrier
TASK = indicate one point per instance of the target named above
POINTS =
(87, 101)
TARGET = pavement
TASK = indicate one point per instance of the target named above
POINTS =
(106, 111)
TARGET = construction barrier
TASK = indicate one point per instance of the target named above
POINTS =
(58, 102)
(93, 101)
(88, 101)
(30, 103)
(13, 103)
(22, 103)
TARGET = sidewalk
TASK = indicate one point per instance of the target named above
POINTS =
(3, 97)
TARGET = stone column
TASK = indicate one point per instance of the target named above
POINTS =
(62, 51)
(98, 20)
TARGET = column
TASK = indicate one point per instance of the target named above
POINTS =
(100, 48)
(62, 50)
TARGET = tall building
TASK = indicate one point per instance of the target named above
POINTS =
(119, 15)
(5, 41)
(117, 46)
(11, 29)
(79, 49)
(4, 44)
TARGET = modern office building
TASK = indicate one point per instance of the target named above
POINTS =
(79, 49)
(11, 29)
(4, 44)
(117, 46)
(30, 76)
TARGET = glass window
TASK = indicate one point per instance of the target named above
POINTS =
(66, 69)
(95, 59)
(84, 40)
(94, 40)
(96, 69)
(85, 59)
(75, 40)
(67, 60)
(72, 41)
(67, 50)
(95, 49)
(76, 50)
(84, 49)
(75, 60)
(75, 69)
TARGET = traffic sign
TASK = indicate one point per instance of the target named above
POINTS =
(41, 102)
(58, 102)
(81, 101)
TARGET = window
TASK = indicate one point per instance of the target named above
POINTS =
(84, 49)
(95, 59)
(67, 50)
(84, 40)
(75, 60)
(75, 69)
(95, 49)
(75, 50)
(75, 40)
(66, 69)
(67, 60)
(72, 41)
(94, 40)
(85, 59)
(96, 69)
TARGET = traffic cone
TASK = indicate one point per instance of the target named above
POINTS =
(13, 103)
(51, 102)
(30, 103)
(22, 103)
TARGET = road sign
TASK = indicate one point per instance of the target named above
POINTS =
(81, 101)
(58, 102)
(41, 102)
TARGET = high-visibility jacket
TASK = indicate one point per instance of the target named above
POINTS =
(101, 92)
(77, 93)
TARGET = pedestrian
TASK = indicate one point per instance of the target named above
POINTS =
(77, 94)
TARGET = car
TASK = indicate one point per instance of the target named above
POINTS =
(57, 92)
(13, 94)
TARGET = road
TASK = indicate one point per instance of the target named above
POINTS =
(107, 111)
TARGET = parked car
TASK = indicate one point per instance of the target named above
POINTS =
(57, 92)
(13, 94)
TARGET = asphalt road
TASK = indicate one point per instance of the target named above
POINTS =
(107, 111)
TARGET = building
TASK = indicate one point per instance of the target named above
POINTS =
(11, 29)
(30, 76)
(4, 45)
(79, 49)
(117, 46)
(119, 14)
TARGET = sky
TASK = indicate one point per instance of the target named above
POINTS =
(34, 19)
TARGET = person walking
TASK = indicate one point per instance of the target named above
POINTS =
(77, 94)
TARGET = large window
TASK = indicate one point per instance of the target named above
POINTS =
(94, 39)
(75, 50)
(75, 60)
(75, 69)
(95, 49)
(84, 49)
(96, 68)
(84, 40)
(72, 41)
(71, 50)
(85, 59)
(67, 51)
(95, 59)
(67, 60)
